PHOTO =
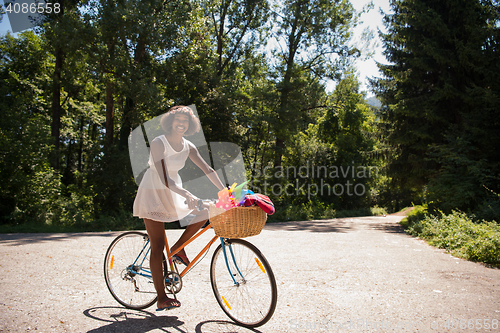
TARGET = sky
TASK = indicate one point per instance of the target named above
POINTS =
(372, 20)
(5, 24)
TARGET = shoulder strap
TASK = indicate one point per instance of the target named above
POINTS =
(165, 142)
(164, 172)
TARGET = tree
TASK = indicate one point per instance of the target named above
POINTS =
(313, 37)
(28, 184)
(237, 26)
(128, 42)
(348, 125)
(254, 102)
(218, 37)
(440, 86)
(59, 30)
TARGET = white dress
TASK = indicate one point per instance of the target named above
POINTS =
(154, 200)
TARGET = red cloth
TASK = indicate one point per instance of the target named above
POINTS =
(260, 200)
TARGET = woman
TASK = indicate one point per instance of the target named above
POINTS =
(161, 198)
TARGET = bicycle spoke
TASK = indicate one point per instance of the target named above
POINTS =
(250, 302)
(127, 272)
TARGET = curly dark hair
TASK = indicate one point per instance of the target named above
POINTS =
(168, 119)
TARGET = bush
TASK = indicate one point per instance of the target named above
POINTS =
(376, 211)
(414, 217)
(457, 233)
(489, 209)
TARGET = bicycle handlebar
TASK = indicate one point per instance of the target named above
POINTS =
(202, 204)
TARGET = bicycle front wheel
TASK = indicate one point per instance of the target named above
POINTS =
(244, 284)
(127, 273)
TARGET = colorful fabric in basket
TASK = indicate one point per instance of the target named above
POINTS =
(232, 196)
(260, 200)
(235, 196)
(226, 199)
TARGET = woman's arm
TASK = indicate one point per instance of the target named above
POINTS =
(195, 156)
(157, 149)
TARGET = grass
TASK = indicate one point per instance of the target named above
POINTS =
(457, 233)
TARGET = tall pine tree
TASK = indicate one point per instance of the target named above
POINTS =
(440, 98)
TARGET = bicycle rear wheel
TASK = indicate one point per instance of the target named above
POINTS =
(127, 273)
(248, 294)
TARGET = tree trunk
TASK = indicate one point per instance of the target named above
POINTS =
(293, 42)
(220, 38)
(126, 123)
(68, 172)
(258, 140)
(56, 98)
(80, 147)
(128, 110)
(110, 112)
(56, 106)
(80, 151)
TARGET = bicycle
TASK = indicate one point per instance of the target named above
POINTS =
(241, 278)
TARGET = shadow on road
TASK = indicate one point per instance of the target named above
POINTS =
(119, 319)
(210, 326)
(30, 238)
(334, 225)
(395, 228)
(340, 225)
(126, 320)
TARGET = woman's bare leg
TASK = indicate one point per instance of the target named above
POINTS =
(191, 229)
(156, 233)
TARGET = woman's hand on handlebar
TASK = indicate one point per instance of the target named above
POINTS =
(192, 202)
(201, 204)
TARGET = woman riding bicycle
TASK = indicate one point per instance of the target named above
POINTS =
(161, 197)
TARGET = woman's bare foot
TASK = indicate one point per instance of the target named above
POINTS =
(167, 304)
(181, 256)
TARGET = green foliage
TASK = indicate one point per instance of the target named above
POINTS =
(314, 34)
(457, 233)
(28, 184)
(112, 183)
(458, 182)
(119, 69)
(340, 139)
(122, 220)
(440, 99)
(417, 214)
(302, 212)
(489, 209)
(377, 211)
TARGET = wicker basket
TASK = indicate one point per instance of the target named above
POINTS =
(238, 222)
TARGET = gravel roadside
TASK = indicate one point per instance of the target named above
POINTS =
(351, 274)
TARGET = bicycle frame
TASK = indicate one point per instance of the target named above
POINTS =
(145, 250)
(234, 261)
(134, 264)
(130, 282)
(202, 252)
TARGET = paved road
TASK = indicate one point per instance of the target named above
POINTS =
(341, 275)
